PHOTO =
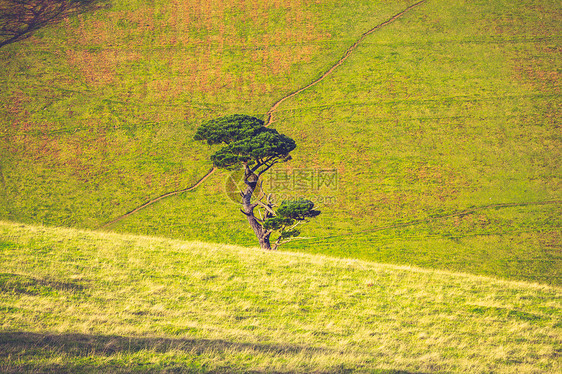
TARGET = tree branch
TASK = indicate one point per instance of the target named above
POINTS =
(266, 207)
(261, 162)
(267, 168)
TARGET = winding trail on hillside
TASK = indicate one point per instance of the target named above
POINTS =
(269, 114)
(155, 200)
(348, 52)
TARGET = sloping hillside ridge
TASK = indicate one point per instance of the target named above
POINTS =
(81, 301)
(440, 130)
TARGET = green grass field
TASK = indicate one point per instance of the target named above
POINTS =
(442, 126)
(80, 302)
(433, 152)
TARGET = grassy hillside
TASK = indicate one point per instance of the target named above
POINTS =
(442, 126)
(78, 301)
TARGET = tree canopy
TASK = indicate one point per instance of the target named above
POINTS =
(288, 216)
(247, 141)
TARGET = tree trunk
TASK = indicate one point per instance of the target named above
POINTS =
(251, 181)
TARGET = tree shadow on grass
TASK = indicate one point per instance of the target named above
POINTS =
(81, 353)
(13, 283)
(19, 19)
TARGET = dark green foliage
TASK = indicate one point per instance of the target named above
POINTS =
(289, 213)
(288, 216)
(277, 222)
(286, 234)
(247, 141)
(297, 209)
(229, 129)
(265, 144)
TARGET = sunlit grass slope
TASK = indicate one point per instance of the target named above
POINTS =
(444, 130)
(443, 126)
(98, 114)
(78, 301)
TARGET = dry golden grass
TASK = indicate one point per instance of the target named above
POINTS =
(81, 301)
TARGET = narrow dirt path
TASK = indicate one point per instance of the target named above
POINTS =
(168, 194)
(348, 52)
(269, 114)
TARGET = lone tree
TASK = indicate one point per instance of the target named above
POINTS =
(249, 145)
(19, 19)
